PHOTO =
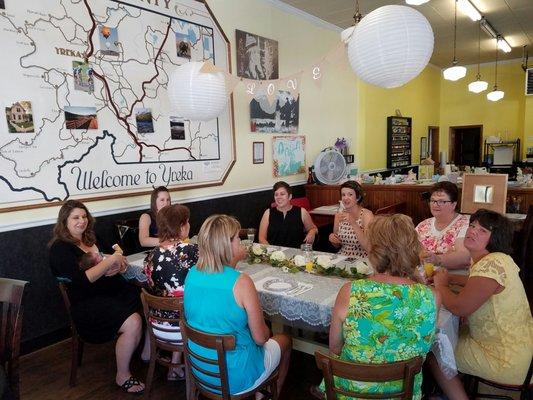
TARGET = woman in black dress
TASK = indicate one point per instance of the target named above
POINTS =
(104, 305)
(285, 224)
(159, 198)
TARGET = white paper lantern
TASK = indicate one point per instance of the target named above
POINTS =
(391, 46)
(195, 95)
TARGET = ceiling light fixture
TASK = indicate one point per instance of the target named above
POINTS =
(455, 72)
(503, 45)
(468, 8)
(416, 2)
(478, 85)
(496, 94)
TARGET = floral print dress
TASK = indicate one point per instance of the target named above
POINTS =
(443, 241)
(386, 323)
(167, 268)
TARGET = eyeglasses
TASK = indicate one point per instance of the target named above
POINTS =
(439, 202)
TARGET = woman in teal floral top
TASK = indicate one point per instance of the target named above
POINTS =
(389, 316)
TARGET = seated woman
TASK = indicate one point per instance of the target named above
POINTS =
(103, 305)
(159, 198)
(389, 316)
(498, 343)
(220, 300)
(285, 224)
(442, 235)
(167, 265)
(351, 222)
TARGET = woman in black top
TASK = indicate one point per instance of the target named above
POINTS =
(159, 198)
(104, 305)
(285, 224)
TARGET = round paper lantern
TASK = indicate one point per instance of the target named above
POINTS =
(391, 46)
(195, 95)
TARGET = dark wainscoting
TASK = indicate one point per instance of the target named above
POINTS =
(26, 257)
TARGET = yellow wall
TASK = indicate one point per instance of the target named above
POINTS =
(418, 99)
(325, 113)
(505, 118)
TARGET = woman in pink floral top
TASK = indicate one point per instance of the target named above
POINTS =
(442, 235)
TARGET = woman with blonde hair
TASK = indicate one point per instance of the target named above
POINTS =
(221, 300)
(389, 316)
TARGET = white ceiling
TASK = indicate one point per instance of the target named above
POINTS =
(511, 18)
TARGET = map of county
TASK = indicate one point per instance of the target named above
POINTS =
(84, 94)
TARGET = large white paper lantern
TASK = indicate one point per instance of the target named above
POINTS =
(391, 46)
(195, 95)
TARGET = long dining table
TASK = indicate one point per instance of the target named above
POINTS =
(304, 301)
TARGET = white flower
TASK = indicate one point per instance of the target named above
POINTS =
(299, 260)
(278, 256)
(364, 268)
(257, 249)
(270, 250)
(285, 269)
(324, 261)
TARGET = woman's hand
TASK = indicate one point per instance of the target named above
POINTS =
(334, 239)
(441, 278)
(118, 265)
(310, 237)
(428, 256)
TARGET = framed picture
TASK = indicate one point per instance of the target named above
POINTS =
(281, 116)
(257, 56)
(484, 191)
(288, 155)
(423, 148)
(259, 152)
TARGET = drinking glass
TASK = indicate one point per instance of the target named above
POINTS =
(251, 234)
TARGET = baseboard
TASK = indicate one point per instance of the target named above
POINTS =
(31, 345)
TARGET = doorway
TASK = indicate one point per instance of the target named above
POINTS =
(465, 145)
(433, 143)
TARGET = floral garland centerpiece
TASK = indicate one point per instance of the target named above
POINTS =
(320, 265)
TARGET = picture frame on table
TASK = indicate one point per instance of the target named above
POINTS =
(487, 191)
(258, 152)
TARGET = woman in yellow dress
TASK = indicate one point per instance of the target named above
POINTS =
(498, 344)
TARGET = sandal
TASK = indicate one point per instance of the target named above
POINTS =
(129, 383)
(176, 375)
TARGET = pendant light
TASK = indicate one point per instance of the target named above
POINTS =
(455, 72)
(416, 2)
(478, 85)
(496, 94)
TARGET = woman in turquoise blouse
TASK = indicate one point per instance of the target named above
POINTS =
(221, 300)
(389, 316)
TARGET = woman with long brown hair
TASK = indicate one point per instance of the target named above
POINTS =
(103, 304)
(159, 198)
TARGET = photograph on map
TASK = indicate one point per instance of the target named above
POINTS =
(2, 5)
(145, 123)
(177, 128)
(108, 40)
(83, 76)
(183, 49)
(81, 117)
(20, 117)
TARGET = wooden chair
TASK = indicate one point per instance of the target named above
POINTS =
(525, 246)
(404, 370)
(77, 341)
(220, 344)
(152, 304)
(11, 310)
(393, 208)
(525, 388)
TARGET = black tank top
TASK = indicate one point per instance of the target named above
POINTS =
(288, 231)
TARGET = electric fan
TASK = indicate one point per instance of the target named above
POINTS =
(330, 166)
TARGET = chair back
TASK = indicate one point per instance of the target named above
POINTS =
(63, 283)
(393, 208)
(220, 344)
(401, 370)
(11, 310)
(525, 248)
(151, 307)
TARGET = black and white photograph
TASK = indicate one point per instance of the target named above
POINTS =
(183, 49)
(177, 128)
(257, 56)
(279, 117)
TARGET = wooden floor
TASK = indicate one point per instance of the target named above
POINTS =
(45, 375)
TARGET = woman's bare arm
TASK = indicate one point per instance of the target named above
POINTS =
(246, 296)
(263, 227)
(338, 315)
(144, 232)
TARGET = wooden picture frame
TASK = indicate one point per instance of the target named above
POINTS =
(258, 152)
(484, 191)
